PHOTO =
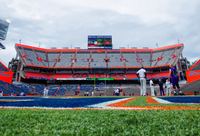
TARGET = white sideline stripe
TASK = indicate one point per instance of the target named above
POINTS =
(42, 108)
(161, 100)
(38, 107)
(75, 108)
(15, 100)
(104, 104)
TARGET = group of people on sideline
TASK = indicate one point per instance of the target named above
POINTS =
(166, 86)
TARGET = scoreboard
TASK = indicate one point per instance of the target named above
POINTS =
(99, 42)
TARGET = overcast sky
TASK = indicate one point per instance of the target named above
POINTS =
(132, 23)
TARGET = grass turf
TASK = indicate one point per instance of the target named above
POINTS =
(139, 101)
(98, 122)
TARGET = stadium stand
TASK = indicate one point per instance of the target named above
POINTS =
(70, 89)
(9, 89)
(115, 60)
(2, 67)
(192, 88)
(65, 60)
(80, 57)
(197, 66)
(144, 59)
(161, 58)
(193, 73)
(98, 60)
(6, 74)
(82, 64)
(66, 71)
(41, 58)
(158, 58)
(130, 59)
(37, 88)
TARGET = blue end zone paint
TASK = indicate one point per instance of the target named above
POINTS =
(182, 99)
(52, 102)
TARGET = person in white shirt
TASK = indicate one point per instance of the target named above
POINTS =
(117, 92)
(141, 73)
(1, 93)
(46, 91)
(168, 87)
(152, 87)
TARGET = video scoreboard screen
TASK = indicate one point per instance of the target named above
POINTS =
(99, 42)
(3, 29)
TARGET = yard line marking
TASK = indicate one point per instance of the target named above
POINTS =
(161, 100)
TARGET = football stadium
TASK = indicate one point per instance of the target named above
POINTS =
(98, 90)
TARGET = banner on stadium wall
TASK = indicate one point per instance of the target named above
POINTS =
(70, 78)
(99, 78)
(99, 42)
(105, 78)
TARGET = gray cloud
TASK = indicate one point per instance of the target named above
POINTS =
(139, 23)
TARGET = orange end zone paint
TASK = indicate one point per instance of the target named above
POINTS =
(121, 103)
(150, 100)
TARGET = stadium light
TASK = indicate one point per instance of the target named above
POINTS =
(8, 20)
(178, 40)
(2, 46)
(157, 45)
(3, 28)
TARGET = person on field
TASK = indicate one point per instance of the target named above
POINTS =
(175, 84)
(152, 87)
(160, 83)
(116, 91)
(168, 87)
(173, 71)
(12, 94)
(141, 74)
(92, 93)
(77, 91)
(174, 79)
(22, 94)
(1, 93)
(46, 91)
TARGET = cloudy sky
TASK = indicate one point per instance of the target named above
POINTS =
(132, 23)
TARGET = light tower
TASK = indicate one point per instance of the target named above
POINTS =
(4, 24)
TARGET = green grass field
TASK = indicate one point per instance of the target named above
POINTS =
(98, 122)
